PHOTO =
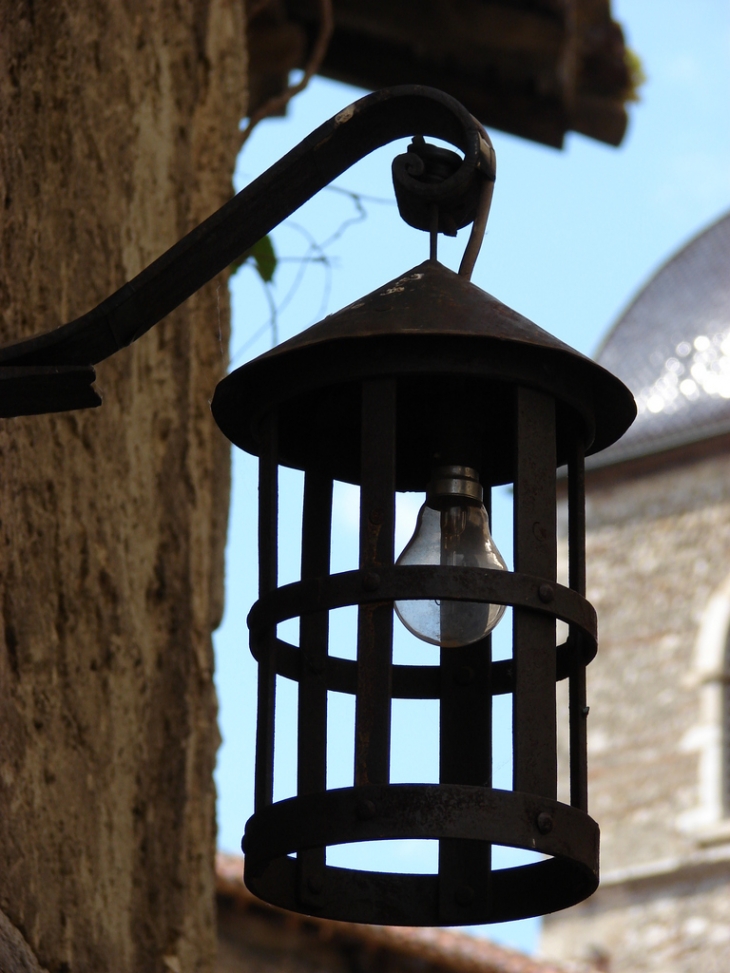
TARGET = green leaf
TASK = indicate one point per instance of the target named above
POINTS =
(263, 255)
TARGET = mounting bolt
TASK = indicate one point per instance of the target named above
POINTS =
(465, 895)
(546, 593)
(371, 581)
(315, 884)
(585, 710)
(365, 810)
(544, 822)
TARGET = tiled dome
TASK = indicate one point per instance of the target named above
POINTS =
(672, 348)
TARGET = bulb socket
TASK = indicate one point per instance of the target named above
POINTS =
(454, 481)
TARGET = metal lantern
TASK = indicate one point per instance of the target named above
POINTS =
(427, 384)
(427, 373)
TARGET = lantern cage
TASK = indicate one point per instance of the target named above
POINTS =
(427, 370)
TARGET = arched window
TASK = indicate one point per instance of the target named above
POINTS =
(709, 821)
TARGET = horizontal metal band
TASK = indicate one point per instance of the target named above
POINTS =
(410, 682)
(423, 811)
(419, 682)
(414, 582)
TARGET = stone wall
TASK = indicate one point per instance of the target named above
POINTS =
(673, 922)
(118, 133)
(658, 548)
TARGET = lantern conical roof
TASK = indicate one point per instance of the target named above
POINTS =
(427, 322)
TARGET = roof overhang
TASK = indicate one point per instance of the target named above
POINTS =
(537, 69)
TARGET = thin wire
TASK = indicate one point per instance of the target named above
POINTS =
(315, 253)
(362, 197)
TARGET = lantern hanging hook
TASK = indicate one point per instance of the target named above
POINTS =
(479, 226)
(438, 192)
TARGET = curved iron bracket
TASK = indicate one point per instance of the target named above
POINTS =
(51, 361)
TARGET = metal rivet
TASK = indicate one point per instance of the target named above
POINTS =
(315, 884)
(371, 581)
(365, 810)
(465, 895)
(585, 710)
(546, 593)
(544, 822)
(376, 516)
(464, 675)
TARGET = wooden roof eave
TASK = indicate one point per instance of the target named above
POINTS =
(537, 70)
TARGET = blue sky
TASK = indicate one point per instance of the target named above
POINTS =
(572, 235)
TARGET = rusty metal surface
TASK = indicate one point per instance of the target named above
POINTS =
(419, 178)
(533, 709)
(437, 811)
(314, 640)
(375, 617)
(424, 581)
(427, 327)
(419, 682)
(577, 702)
(465, 757)
(268, 570)
(32, 390)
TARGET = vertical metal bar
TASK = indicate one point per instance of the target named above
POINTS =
(577, 707)
(313, 639)
(465, 758)
(314, 632)
(375, 621)
(533, 705)
(268, 572)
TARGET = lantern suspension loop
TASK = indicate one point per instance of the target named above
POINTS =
(422, 179)
(69, 351)
(474, 245)
(476, 237)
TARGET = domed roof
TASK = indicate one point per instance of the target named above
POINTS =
(672, 348)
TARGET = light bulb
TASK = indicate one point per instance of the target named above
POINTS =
(452, 529)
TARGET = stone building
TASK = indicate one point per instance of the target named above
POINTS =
(658, 515)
